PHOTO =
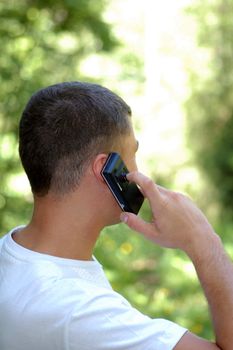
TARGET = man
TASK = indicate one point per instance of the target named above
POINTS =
(53, 293)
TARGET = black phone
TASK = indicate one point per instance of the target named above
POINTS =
(127, 194)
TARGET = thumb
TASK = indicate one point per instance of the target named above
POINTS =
(139, 225)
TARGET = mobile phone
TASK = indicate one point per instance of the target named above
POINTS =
(127, 194)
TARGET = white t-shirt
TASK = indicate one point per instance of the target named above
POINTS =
(49, 303)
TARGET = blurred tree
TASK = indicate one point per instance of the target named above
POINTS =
(210, 107)
(42, 42)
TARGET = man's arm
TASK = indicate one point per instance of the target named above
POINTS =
(215, 273)
(178, 223)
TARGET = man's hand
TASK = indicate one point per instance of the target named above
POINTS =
(176, 221)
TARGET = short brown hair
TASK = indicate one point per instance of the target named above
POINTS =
(62, 127)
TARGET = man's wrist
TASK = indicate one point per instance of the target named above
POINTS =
(204, 247)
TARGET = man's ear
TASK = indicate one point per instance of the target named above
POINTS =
(97, 165)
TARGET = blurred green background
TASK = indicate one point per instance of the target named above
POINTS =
(173, 63)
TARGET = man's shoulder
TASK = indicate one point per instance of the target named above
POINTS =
(1, 241)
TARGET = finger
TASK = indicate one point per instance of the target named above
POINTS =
(149, 188)
(137, 224)
(162, 189)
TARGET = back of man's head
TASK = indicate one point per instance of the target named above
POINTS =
(63, 127)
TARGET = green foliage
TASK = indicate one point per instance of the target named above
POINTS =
(210, 107)
(210, 112)
(42, 43)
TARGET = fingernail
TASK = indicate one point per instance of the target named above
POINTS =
(123, 217)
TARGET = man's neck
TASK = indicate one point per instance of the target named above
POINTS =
(60, 230)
